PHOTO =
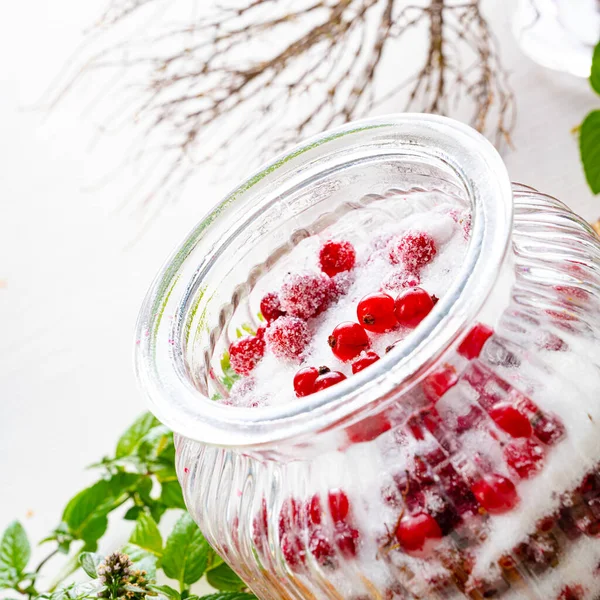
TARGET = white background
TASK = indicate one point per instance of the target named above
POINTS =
(72, 280)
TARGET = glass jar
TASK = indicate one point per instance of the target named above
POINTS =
(559, 34)
(464, 463)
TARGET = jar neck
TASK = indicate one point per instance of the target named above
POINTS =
(182, 316)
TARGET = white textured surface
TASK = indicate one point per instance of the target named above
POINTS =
(73, 281)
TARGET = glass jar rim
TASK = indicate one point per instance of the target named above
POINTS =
(159, 359)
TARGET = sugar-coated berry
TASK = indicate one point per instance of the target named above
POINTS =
(348, 340)
(572, 592)
(270, 307)
(524, 457)
(306, 294)
(368, 429)
(473, 343)
(412, 306)
(415, 532)
(376, 312)
(314, 510)
(364, 360)
(511, 420)
(293, 551)
(336, 257)
(414, 250)
(287, 337)
(339, 505)
(436, 384)
(304, 380)
(346, 539)
(245, 354)
(400, 280)
(548, 428)
(328, 379)
(495, 493)
(321, 548)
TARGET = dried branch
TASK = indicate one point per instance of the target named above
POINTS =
(256, 77)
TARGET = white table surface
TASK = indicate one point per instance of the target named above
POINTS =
(72, 281)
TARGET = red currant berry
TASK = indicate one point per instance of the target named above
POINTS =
(320, 548)
(436, 384)
(495, 493)
(245, 354)
(287, 337)
(336, 257)
(548, 429)
(314, 510)
(524, 457)
(270, 307)
(260, 332)
(368, 428)
(289, 517)
(572, 592)
(376, 312)
(414, 249)
(515, 423)
(348, 340)
(412, 306)
(473, 343)
(305, 295)
(415, 531)
(364, 360)
(346, 539)
(400, 280)
(304, 380)
(339, 505)
(293, 551)
(327, 380)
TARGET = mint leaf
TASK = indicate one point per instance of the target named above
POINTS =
(595, 75)
(171, 495)
(186, 552)
(589, 146)
(167, 591)
(223, 578)
(130, 440)
(229, 375)
(141, 559)
(154, 443)
(15, 553)
(89, 562)
(146, 535)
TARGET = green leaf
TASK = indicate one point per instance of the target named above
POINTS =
(171, 495)
(130, 440)
(223, 578)
(89, 562)
(142, 559)
(85, 514)
(227, 596)
(589, 146)
(146, 535)
(167, 591)
(15, 553)
(595, 75)
(186, 552)
(133, 513)
(229, 375)
(154, 443)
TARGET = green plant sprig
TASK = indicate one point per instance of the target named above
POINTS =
(139, 479)
(589, 132)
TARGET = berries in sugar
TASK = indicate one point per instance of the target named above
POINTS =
(306, 294)
(305, 378)
(414, 250)
(339, 505)
(270, 307)
(287, 337)
(245, 354)
(336, 257)
(364, 360)
(415, 533)
(348, 340)
(436, 384)
(368, 428)
(472, 344)
(495, 493)
(572, 592)
(346, 539)
(400, 280)
(548, 428)
(290, 519)
(511, 420)
(376, 312)
(293, 551)
(524, 457)
(412, 306)
(321, 548)
(328, 379)
(313, 508)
